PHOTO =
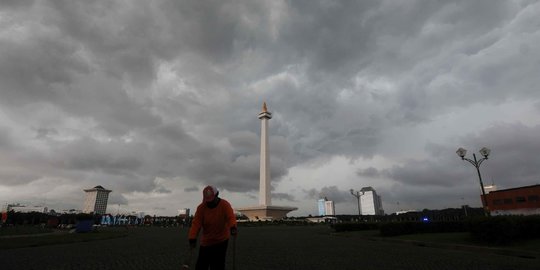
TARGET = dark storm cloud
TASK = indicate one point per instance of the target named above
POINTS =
(474, 67)
(16, 3)
(13, 178)
(513, 163)
(126, 40)
(537, 106)
(326, 125)
(425, 173)
(115, 157)
(116, 198)
(127, 92)
(369, 172)
(43, 133)
(191, 189)
(244, 143)
(5, 139)
(421, 92)
(513, 160)
(121, 38)
(283, 197)
(26, 67)
(332, 193)
(330, 37)
(162, 190)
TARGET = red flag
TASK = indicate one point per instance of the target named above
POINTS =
(4, 217)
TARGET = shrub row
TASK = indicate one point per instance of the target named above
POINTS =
(505, 229)
(400, 228)
(497, 230)
(277, 223)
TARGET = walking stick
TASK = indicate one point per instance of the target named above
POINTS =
(187, 260)
(234, 253)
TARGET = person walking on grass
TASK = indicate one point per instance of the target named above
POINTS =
(216, 218)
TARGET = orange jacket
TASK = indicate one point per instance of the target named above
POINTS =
(215, 223)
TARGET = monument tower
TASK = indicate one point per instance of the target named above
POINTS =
(265, 210)
(264, 170)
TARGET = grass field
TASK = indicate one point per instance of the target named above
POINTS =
(532, 245)
(465, 239)
(23, 230)
(261, 247)
(54, 237)
(19, 237)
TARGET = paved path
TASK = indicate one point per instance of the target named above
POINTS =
(257, 248)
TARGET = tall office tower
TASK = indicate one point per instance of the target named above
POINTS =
(329, 208)
(96, 200)
(326, 207)
(321, 203)
(370, 202)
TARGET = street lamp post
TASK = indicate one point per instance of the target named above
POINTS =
(476, 163)
(358, 194)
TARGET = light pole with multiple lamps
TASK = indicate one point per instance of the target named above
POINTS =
(476, 163)
(358, 194)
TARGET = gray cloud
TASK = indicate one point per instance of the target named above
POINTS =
(43, 133)
(332, 193)
(512, 161)
(191, 189)
(445, 176)
(116, 198)
(14, 4)
(283, 197)
(369, 172)
(162, 190)
(124, 93)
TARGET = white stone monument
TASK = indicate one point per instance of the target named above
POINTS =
(265, 210)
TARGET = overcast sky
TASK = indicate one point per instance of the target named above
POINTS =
(156, 99)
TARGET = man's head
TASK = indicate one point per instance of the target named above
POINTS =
(210, 193)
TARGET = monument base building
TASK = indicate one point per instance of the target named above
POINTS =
(266, 212)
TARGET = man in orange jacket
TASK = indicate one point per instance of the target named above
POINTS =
(216, 218)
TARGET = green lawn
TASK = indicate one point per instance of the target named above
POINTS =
(465, 239)
(532, 245)
(12, 238)
(23, 230)
(450, 238)
(56, 238)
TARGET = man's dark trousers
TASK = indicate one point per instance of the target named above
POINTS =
(212, 256)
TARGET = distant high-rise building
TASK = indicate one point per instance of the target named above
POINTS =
(96, 200)
(326, 207)
(371, 203)
(183, 213)
(330, 210)
(321, 204)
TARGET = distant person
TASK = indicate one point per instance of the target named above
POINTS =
(216, 218)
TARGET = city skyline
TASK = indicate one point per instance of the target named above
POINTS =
(157, 99)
